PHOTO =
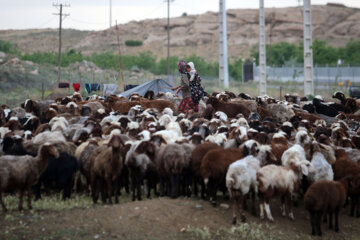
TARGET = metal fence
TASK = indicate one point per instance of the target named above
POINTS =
(323, 75)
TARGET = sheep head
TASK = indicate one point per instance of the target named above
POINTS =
(158, 140)
(48, 150)
(196, 139)
(146, 147)
(305, 168)
(354, 184)
(116, 142)
(339, 95)
(250, 147)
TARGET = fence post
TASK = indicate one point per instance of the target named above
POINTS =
(42, 88)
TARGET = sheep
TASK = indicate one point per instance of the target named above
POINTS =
(322, 167)
(280, 181)
(171, 134)
(196, 159)
(326, 197)
(106, 166)
(345, 166)
(21, 172)
(160, 105)
(59, 124)
(175, 161)
(13, 124)
(216, 162)
(32, 123)
(280, 112)
(83, 154)
(4, 131)
(236, 137)
(60, 170)
(240, 179)
(293, 155)
(219, 139)
(14, 146)
(322, 108)
(47, 136)
(222, 116)
(229, 108)
(279, 144)
(141, 166)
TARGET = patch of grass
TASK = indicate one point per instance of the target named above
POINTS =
(52, 202)
(240, 231)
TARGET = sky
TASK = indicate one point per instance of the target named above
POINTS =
(94, 14)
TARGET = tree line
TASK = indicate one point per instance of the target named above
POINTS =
(279, 54)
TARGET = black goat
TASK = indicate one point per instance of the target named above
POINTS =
(60, 171)
(322, 108)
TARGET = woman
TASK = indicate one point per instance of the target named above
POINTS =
(187, 104)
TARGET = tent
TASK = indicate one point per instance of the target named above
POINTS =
(157, 85)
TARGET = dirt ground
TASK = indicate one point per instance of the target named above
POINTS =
(160, 218)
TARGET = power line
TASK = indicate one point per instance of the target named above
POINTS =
(61, 15)
(47, 22)
(86, 22)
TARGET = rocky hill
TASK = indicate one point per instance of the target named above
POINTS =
(198, 34)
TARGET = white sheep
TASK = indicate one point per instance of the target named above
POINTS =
(280, 181)
(322, 169)
(48, 136)
(218, 138)
(295, 154)
(240, 179)
(222, 116)
(59, 124)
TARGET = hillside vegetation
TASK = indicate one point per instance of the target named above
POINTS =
(198, 34)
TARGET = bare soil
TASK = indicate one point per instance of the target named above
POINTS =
(160, 218)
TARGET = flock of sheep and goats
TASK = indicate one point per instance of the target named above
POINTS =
(239, 145)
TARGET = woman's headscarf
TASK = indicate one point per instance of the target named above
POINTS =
(192, 66)
(182, 66)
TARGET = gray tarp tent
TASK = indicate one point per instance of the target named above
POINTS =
(157, 85)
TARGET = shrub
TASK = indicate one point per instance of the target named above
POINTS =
(133, 43)
(8, 47)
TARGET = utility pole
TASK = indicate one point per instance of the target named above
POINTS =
(168, 42)
(110, 13)
(308, 56)
(121, 66)
(262, 49)
(61, 15)
(223, 51)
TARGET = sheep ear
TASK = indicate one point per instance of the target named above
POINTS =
(245, 151)
(304, 169)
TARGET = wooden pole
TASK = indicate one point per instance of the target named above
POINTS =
(168, 41)
(59, 51)
(121, 81)
(42, 89)
(61, 15)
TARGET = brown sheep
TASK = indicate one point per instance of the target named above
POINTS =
(22, 172)
(197, 156)
(345, 166)
(13, 124)
(105, 168)
(325, 197)
(231, 109)
(83, 154)
(306, 116)
(215, 163)
(159, 104)
(279, 144)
